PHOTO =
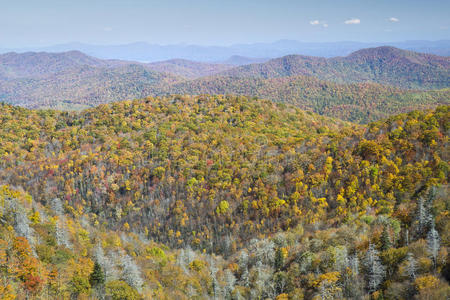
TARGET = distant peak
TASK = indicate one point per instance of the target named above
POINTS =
(75, 52)
(382, 50)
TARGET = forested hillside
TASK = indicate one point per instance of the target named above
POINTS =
(88, 86)
(383, 65)
(222, 197)
(32, 64)
(356, 102)
(187, 68)
(359, 102)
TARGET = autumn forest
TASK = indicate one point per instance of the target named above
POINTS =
(286, 170)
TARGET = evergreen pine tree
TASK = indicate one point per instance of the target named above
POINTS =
(279, 259)
(97, 278)
(385, 239)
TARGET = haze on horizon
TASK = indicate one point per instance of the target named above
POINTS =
(214, 22)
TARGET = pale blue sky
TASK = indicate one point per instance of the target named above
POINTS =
(219, 22)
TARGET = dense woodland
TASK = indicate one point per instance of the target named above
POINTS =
(222, 197)
(355, 102)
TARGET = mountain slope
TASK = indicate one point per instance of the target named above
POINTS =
(162, 141)
(356, 102)
(152, 190)
(33, 64)
(86, 86)
(384, 65)
(189, 162)
(49, 251)
(187, 68)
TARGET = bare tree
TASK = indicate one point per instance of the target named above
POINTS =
(230, 280)
(107, 264)
(433, 241)
(411, 266)
(374, 269)
(131, 273)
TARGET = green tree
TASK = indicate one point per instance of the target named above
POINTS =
(97, 277)
(385, 239)
(279, 259)
(120, 290)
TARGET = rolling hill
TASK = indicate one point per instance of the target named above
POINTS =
(364, 86)
(187, 68)
(85, 86)
(384, 65)
(356, 102)
(33, 64)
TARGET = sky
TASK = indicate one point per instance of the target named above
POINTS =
(219, 22)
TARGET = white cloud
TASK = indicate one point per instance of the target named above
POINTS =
(392, 19)
(352, 21)
(107, 29)
(317, 22)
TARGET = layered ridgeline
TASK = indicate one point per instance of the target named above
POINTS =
(297, 204)
(85, 87)
(383, 65)
(41, 64)
(73, 80)
(191, 69)
(142, 51)
(31, 64)
(358, 87)
(356, 102)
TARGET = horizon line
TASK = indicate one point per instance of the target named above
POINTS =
(187, 44)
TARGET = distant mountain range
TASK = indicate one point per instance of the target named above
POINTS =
(30, 64)
(145, 52)
(38, 64)
(238, 60)
(363, 86)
